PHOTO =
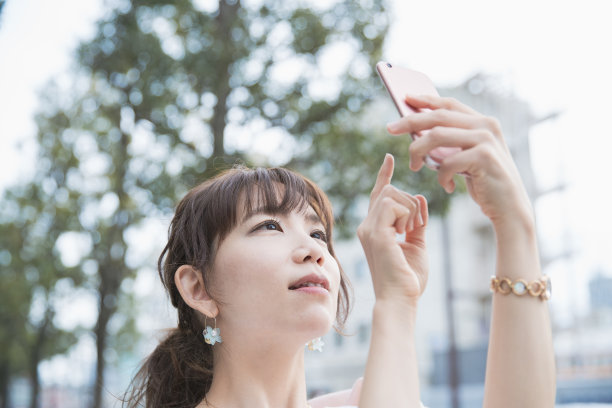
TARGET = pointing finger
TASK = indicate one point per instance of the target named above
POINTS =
(384, 177)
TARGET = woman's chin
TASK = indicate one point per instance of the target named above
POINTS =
(316, 328)
(310, 322)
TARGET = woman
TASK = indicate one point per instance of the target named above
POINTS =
(251, 268)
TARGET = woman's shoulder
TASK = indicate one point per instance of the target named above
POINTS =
(341, 399)
(346, 398)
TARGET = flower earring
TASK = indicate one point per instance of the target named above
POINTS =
(212, 336)
(315, 344)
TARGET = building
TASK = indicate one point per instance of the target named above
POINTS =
(460, 269)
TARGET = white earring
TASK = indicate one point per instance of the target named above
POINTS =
(315, 344)
(212, 336)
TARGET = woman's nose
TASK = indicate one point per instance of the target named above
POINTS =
(309, 251)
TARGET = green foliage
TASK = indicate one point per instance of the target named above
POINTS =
(31, 222)
(244, 67)
(16, 295)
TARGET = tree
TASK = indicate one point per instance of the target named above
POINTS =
(168, 94)
(34, 281)
(15, 300)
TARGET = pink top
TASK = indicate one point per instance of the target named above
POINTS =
(355, 406)
(346, 398)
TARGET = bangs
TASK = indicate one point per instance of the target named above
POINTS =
(277, 197)
(273, 191)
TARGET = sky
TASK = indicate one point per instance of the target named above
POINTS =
(555, 55)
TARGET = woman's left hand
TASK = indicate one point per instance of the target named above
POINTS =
(492, 178)
(399, 268)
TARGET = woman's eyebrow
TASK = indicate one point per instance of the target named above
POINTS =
(251, 214)
(310, 216)
(313, 218)
(258, 211)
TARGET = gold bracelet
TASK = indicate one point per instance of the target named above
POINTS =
(538, 288)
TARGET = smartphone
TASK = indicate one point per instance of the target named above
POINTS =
(401, 82)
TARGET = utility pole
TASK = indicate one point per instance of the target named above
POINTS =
(453, 372)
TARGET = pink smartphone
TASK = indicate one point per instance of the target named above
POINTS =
(401, 82)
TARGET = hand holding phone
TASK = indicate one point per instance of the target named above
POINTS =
(401, 82)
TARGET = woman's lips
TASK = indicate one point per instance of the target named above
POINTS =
(314, 290)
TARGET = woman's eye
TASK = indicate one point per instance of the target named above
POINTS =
(272, 226)
(318, 234)
(269, 225)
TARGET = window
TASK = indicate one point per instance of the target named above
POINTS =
(338, 340)
(364, 333)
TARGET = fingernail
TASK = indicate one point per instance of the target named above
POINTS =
(421, 221)
(393, 127)
(414, 96)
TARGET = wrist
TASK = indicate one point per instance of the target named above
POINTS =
(404, 309)
(516, 224)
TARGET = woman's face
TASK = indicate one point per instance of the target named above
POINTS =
(264, 272)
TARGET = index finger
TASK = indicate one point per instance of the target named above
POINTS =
(437, 102)
(384, 177)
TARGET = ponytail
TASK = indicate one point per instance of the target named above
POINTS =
(177, 374)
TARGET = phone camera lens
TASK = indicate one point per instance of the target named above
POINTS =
(389, 65)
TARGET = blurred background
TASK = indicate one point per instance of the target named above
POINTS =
(111, 110)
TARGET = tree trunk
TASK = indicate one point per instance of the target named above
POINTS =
(112, 272)
(227, 14)
(111, 275)
(35, 384)
(104, 316)
(35, 356)
(4, 384)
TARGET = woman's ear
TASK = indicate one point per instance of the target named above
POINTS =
(190, 284)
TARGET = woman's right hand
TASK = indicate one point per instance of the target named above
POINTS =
(399, 268)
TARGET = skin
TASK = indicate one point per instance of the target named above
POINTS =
(265, 368)
(265, 325)
(399, 273)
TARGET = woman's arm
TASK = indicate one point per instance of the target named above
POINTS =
(391, 375)
(399, 275)
(520, 364)
(520, 361)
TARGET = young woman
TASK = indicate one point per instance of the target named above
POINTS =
(250, 266)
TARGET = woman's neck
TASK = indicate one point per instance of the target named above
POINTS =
(249, 375)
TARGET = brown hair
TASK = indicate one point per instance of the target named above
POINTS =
(179, 371)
